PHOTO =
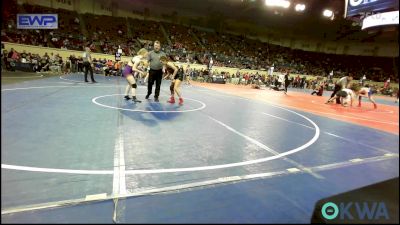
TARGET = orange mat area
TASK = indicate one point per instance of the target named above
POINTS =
(385, 117)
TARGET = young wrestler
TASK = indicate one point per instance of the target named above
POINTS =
(177, 75)
(366, 92)
(343, 82)
(345, 96)
(348, 98)
(131, 67)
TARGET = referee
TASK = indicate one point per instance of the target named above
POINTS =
(87, 64)
(155, 73)
(287, 81)
(343, 82)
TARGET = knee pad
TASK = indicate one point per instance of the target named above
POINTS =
(134, 85)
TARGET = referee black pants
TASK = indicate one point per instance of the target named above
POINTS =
(88, 67)
(287, 83)
(154, 75)
(337, 88)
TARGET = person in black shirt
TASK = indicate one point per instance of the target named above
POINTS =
(46, 56)
(68, 66)
(4, 59)
(287, 81)
(80, 64)
(10, 61)
(340, 84)
(73, 63)
(177, 75)
(44, 64)
(303, 82)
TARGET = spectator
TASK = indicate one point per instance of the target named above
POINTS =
(387, 84)
(319, 91)
(80, 64)
(24, 56)
(44, 64)
(11, 59)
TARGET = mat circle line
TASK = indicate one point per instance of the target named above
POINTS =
(24, 77)
(174, 170)
(147, 111)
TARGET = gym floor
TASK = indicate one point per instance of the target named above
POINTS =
(229, 154)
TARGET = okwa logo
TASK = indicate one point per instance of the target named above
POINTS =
(355, 210)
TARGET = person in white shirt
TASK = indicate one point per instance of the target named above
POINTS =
(363, 79)
(87, 64)
(281, 80)
(366, 92)
(271, 70)
(210, 64)
(188, 72)
(346, 99)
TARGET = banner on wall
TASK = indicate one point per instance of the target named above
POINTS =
(381, 19)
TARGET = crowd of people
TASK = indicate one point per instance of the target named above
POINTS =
(50, 62)
(75, 64)
(105, 34)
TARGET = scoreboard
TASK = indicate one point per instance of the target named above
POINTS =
(360, 7)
